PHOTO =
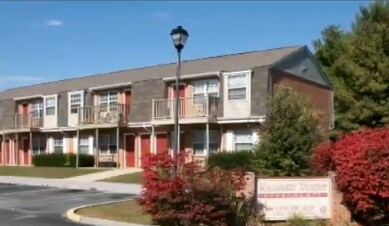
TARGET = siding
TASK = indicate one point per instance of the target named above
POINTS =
(259, 90)
(6, 107)
(142, 95)
(62, 109)
(319, 95)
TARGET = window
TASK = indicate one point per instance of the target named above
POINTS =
(107, 143)
(50, 105)
(38, 145)
(244, 140)
(58, 145)
(75, 102)
(108, 99)
(37, 109)
(206, 87)
(237, 86)
(84, 145)
(199, 142)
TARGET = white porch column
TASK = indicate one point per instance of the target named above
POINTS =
(117, 147)
(207, 139)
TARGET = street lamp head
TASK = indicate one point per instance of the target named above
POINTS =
(179, 36)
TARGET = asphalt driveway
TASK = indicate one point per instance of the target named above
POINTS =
(22, 205)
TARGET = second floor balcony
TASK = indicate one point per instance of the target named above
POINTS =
(20, 121)
(104, 114)
(191, 109)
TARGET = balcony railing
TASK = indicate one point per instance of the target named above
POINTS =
(22, 121)
(104, 114)
(192, 107)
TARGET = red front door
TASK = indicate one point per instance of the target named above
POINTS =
(26, 147)
(145, 143)
(181, 91)
(25, 115)
(25, 108)
(8, 152)
(130, 151)
(127, 106)
(16, 151)
(162, 143)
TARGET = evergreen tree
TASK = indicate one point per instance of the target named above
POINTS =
(288, 135)
(357, 62)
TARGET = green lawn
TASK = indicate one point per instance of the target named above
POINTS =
(133, 178)
(127, 211)
(45, 172)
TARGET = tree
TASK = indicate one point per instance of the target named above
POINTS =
(357, 63)
(290, 132)
(194, 196)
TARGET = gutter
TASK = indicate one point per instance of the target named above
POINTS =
(139, 124)
(118, 85)
(252, 119)
(28, 97)
(197, 75)
(58, 129)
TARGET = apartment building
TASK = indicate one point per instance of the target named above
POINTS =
(119, 116)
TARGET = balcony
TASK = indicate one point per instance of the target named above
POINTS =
(21, 121)
(191, 110)
(117, 114)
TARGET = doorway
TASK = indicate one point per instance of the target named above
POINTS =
(130, 150)
(26, 148)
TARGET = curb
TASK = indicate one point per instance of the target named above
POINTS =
(64, 184)
(72, 216)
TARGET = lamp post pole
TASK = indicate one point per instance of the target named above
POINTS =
(177, 110)
(179, 36)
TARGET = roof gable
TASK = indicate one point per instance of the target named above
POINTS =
(302, 64)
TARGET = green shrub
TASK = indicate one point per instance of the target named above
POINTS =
(63, 160)
(84, 160)
(51, 159)
(231, 160)
(290, 132)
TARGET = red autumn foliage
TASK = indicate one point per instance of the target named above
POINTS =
(361, 162)
(321, 160)
(192, 196)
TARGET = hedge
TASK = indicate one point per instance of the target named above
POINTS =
(62, 160)
(231, 160)
(84, 160)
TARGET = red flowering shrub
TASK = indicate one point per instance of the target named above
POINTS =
(361, 162)
(321, 160)
(193, 196)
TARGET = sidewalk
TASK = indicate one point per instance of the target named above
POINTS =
(103, 175)
(74, 184)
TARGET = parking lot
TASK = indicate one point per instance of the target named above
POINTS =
(45, 206)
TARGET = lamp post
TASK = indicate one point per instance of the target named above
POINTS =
(179, 36)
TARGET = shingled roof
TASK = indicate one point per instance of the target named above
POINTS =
(231, 62)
